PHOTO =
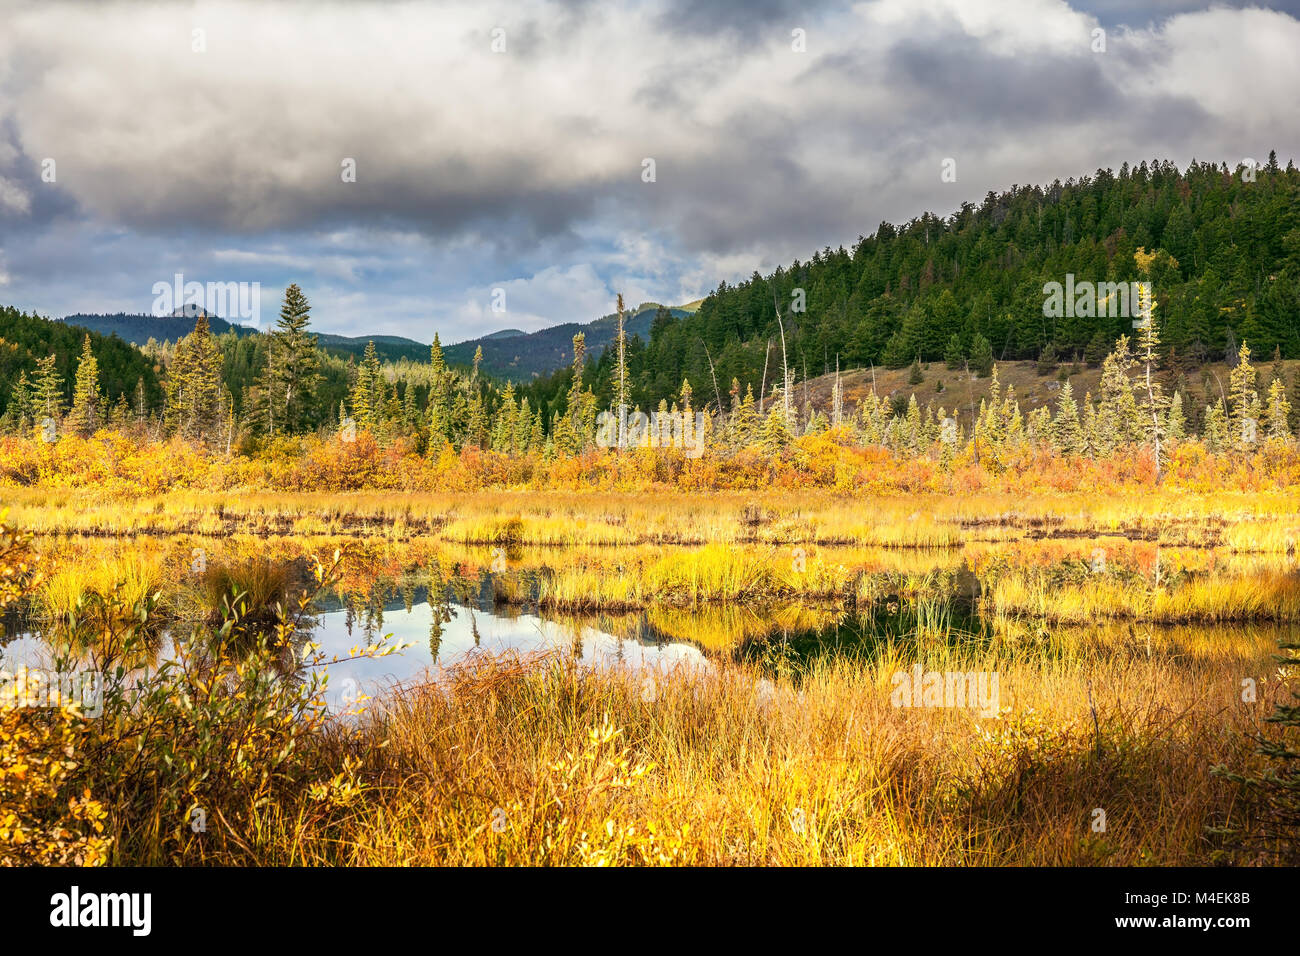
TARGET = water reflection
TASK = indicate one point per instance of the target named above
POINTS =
(444, 635)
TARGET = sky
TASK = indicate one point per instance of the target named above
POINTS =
(467, 167)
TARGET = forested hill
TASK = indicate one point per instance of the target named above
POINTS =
(522, 356)
(935, 287)
(139, 329)
(26, 338)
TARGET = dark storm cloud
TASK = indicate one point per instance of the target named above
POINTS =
(956, 87)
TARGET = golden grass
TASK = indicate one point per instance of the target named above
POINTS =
(544, 764)
(539, 762)
(1265, 522)
(132, 577)
(1263, 596)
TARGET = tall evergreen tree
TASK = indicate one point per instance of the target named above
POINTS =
(87, 401)
(440, 416)
(1243, 398)
(291, 375)
(194, 405)
(47, 390)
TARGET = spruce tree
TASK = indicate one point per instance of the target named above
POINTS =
(194, 404)
(289, 380)
(953, 356)
(19, 413)
(744, 425)
(1068, 433)
(981, 356)
(1276, 790)
(87, 401)
(1243, 400)
(1176, 420)
(370, 392)
(775, 433)
(440, 421)
(1214, 431)
(503, 429)
(47, 390)
(523, 428)
(1277, 413)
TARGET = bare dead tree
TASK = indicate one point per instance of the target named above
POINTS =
(787, 385)
(716, 394)
(622, 379)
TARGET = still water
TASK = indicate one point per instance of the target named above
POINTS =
(454, 634)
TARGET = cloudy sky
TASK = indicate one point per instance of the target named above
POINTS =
(505, 146)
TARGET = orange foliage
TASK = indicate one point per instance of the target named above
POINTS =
(124, 466)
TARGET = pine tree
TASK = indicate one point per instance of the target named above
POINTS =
(440, 413)
(1214, 431)
(775, 434)
(369, 393)
(1175, 420)
(19, 415)
(1243, 400)
(194, 403)
(621, 390)
(289, 380)
(953, 356)
(87, 401)
(981, 356)
(1277, 412)
(47, 390)
(1068, 433)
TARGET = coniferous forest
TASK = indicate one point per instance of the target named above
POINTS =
(1220, 249)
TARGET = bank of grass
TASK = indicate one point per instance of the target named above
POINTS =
(713, 573)
(1266, 522)
(1040, 594)
(131, 577)
(536, 762)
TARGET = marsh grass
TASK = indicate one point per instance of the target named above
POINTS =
(258, 586)
(771, 755)
(1267, 522)
(579, 767)
(1039, 593)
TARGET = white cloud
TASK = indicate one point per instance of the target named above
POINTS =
(522, 169)
(14, 197)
